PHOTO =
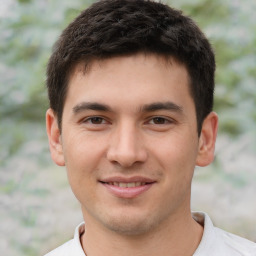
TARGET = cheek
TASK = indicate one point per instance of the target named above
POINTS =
(81, 166)
(83, 150)
(77, 163)
(177, 157)
(178, 150)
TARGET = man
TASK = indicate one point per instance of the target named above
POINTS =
(131, 84)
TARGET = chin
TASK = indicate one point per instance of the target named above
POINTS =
(131, 225)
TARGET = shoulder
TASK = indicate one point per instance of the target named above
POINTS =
(236, 244)
(63, 250)
(71, 248)
(217, 242)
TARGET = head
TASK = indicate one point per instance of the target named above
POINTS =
(131, 88)
(112, 28)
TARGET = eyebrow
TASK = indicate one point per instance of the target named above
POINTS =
(90, 106)
(162, 106)
(156, 106)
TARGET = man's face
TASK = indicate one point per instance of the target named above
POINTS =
(129, 141)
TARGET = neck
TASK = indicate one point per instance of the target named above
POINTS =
(177, 236)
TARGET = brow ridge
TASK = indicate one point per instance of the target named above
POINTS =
(156, 106)
(90, 106)
(162, 106)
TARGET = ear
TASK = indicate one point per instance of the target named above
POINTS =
(207, 140)
(54, 138)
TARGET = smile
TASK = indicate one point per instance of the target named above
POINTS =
(127, 188)
(127, 184)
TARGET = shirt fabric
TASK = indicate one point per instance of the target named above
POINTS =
(215, 242)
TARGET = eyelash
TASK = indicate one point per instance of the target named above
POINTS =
(90, 120)
(98, 120)
(163, 120)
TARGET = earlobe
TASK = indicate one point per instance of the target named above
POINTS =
(54, 138)
(207, 140)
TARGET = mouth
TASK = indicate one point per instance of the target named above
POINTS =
(127, 188)
(126, 184)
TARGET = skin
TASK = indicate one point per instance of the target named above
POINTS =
(133, 119)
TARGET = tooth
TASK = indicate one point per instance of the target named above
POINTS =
(122, 185)
(131, 185)
(127, 185)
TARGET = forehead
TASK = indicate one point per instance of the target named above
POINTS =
(142, 58)
(137, 78)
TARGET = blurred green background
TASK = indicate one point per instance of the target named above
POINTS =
(38, 210)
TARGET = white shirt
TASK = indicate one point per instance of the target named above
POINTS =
(215, 242)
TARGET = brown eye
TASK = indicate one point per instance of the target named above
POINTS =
(159, 120)
(95, 123)
(96, 120)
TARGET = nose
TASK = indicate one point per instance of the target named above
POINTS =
(126, 146)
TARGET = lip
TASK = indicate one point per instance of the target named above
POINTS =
(127, 179)
(127, 192)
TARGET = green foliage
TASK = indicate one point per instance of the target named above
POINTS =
(231, 29)
(29, 29)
